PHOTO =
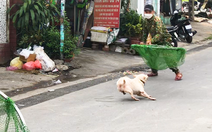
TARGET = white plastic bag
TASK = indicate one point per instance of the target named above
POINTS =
(46, 62)
(112, 36)
(26, 52)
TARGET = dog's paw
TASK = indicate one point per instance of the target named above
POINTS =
(136, 99)
(153, 99)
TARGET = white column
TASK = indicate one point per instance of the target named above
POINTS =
(158, 7)
(3, 21)
(148, 2)
(178, 4)
(141, 4)
(134, 4)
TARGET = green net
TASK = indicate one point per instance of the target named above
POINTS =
(160, 57)
(10, 119)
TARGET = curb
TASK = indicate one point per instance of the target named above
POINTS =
(36, 99)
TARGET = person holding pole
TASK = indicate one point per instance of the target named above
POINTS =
(156, 33)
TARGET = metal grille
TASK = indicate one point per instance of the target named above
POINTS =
(3, 21)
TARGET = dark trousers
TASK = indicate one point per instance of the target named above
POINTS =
(175, 70)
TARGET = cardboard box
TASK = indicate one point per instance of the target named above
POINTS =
(32, 57)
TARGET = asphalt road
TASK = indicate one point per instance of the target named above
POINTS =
(181, 106)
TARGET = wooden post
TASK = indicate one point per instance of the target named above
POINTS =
(192, 10)
(75, 19)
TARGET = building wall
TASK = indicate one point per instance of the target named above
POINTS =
(8, 40)
(141, 5)
(156, 5)
(3, 21)
(178, 4)
(134, 4)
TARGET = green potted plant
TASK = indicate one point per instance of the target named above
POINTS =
(52, 40)
(135, 32)
(131, 26)
(70, 49)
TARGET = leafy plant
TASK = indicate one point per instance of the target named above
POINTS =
(70, 49)
(70, 43)
(33, 14)
(52, 47)
(28, 39)
(134, 30)
(52, 40)
(130, 24)
(208, 38)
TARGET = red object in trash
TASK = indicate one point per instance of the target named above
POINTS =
(29, 66)
(32, 65)
(37, 64)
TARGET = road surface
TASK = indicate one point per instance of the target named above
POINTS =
(181, 106)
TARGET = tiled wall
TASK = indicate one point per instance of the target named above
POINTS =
(7, 47)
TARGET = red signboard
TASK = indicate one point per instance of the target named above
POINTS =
(106, 13)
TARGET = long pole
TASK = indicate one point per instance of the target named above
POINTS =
(171, 9)
(75, 19)
(62, 28)
(192, 10)
(158, 8)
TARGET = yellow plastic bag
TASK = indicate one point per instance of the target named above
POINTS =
(16, 63)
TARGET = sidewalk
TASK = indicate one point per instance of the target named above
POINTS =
(89, 64)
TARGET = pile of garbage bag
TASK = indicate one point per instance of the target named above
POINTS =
(32, 59)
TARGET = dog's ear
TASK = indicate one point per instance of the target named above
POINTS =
(145, 77)
(124, 81)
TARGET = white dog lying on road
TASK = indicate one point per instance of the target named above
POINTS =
(133, 86)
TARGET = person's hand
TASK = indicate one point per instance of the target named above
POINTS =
(141, 43)
(148, 43)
